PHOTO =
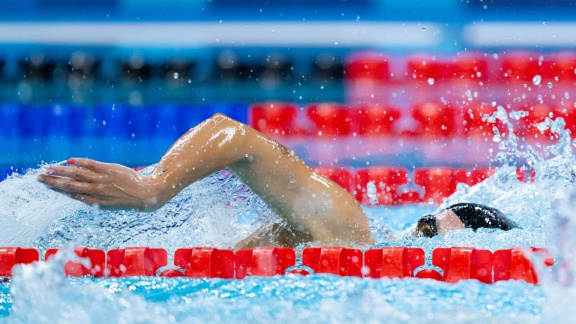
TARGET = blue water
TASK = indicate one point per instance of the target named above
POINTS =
(321, 298)
(219, 211)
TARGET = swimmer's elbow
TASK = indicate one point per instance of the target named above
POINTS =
(222, 118)
(219, 116)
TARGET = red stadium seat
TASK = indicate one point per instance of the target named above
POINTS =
(386, 182)
(375, 120)
(463, 263)
(512, 264)
(434, 119)
(135, 261)
(392, 262)
(519, 67)
(264, 261)
(76, 269)
(341, 176)
(330, 119)
(274, 118)
(11, 256)
(367, 66)
(333, 260)
(205, 262)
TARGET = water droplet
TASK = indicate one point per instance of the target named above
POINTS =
(431, 81)
(175, 75)
(371, 192)
(536, 80)
(518, 114)
(549, 85)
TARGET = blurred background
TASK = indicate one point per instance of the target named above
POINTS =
(346, 84)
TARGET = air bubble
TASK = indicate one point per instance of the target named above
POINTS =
(431, 81)
(536, 80)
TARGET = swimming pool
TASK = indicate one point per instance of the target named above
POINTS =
(218, 211)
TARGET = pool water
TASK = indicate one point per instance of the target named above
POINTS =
(219, 211)
(288, 299)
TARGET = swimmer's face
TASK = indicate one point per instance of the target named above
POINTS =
(427, 226)
(439, 224)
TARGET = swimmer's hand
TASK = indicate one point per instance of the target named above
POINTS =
(108, 186)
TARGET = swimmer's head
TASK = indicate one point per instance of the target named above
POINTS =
(427, 226)
(460, 216)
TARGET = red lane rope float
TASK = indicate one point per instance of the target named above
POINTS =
(97, 262)
(437, 183)
(393, 262)
(386, 182)
(274, 118)
(464, 263)
(454, 264)
(264, 261)
(11, 256)
(513, 265)
(203, 262)
(334, 260)
(135, 261)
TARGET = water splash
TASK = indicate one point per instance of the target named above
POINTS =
(205, 213)
(42, 294)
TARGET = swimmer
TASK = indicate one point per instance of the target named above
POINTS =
(461, 216)
(314, 209)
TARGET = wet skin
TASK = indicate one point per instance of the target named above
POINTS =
(446, 220)
(315, 208)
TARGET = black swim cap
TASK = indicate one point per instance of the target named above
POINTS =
(477, 216)
(427, 225)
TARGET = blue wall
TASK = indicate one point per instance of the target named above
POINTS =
(448, 11)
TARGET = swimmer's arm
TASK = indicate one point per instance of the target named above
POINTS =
(307, 201)
(279, 235)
